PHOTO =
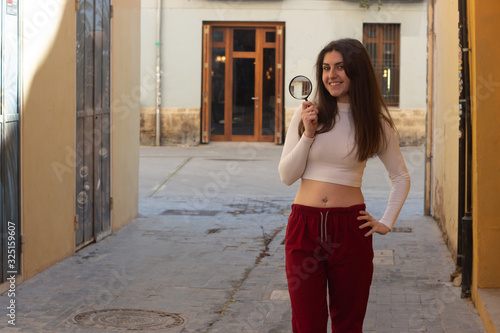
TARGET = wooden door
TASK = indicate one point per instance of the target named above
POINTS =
(242, 83)
(93, 122)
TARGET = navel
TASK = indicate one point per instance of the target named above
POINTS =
(325, 199)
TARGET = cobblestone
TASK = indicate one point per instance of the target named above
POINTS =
(208, 245)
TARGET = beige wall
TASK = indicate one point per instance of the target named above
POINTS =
(48, 127)
(410, 125)
(47, 137)
(125, 97)
(445, 119)
(179, 126)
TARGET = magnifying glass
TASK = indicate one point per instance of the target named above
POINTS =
(300, 87)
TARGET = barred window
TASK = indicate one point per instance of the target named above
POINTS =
(306, 88)
(382, 41)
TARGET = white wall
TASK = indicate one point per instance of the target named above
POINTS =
(310, 24)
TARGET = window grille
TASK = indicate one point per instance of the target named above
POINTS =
(382, 41)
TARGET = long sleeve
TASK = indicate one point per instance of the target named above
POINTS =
(398, 174)
(295, 152)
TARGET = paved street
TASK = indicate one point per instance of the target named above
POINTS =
(206, 255)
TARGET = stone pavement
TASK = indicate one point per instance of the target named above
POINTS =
(206, 255)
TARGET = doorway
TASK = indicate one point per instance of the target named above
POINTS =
(93, 200)
(242, 82)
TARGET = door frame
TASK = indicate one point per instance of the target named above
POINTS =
(206, 111)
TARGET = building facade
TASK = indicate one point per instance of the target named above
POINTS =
(225, 66)
(462, 179)
(70, 131)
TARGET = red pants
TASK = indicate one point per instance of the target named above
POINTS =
(325, 247)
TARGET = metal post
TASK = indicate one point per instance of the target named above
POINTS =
(467, 255)
(465, 230)
(429, 115)
(158, 74)
(462, 144)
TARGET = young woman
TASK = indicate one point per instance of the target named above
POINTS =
(329, 235)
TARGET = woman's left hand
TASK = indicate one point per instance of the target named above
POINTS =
(375, 225)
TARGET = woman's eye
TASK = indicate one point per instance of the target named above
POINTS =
(326, 68)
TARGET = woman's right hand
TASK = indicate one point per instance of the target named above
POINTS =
(309, 118)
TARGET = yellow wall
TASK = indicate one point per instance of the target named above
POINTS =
(445, 119)
(125, 62)
(47, 137)
(485, 80)
(48, 123)
(485, 100)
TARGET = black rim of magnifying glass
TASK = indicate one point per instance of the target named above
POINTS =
(290, 86)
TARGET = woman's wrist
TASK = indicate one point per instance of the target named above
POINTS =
(309, 135)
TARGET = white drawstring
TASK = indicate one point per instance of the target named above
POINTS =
(326, 219)
(324, 234)
(321, 225)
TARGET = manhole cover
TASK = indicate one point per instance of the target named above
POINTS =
(129, 319)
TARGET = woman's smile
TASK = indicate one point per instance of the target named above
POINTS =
(334, 77)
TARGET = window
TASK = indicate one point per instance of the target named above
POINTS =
(382, 43)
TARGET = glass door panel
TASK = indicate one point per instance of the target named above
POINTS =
(218, 89)
(244, 40)
(243, 115)
(268, 91)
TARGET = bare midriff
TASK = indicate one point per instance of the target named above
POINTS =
(315, 193)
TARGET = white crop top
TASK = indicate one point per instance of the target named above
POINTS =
(332, 159)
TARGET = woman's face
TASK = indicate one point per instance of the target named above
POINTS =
(334, 77)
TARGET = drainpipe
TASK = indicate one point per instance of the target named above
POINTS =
(461, 148)
(464, 248)
(429, 113)
(158, 74)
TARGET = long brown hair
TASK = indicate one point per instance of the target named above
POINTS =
(367, 104)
